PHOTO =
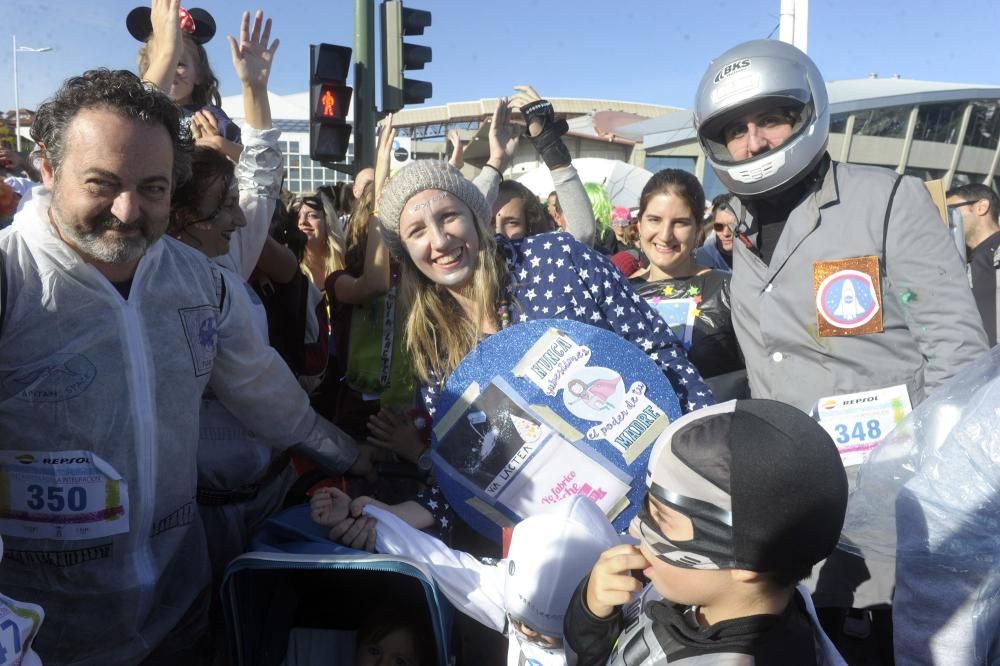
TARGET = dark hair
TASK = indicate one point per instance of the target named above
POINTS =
(536, 218)
(555, 194)
(207, 166)
(975, 192)
(721, 203)
(206, 87)
(788, 577)
(679, 183)
(119, 91)
(380, 625)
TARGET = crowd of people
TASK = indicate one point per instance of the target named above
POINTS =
(188, 348)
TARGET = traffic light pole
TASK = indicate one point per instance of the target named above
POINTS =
(364, 84)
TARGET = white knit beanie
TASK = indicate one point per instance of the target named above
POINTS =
(416, 177)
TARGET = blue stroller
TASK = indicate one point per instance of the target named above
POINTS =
(297, 599)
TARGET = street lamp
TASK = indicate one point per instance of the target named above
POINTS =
(17, 101)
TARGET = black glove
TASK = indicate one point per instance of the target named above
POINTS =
(548, 142)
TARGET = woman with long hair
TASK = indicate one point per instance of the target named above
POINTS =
(315, 216)
(462, 283)
(693, 298)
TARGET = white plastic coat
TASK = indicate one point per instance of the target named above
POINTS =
(99, 398)
(549, 554)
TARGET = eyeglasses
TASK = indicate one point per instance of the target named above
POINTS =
(720, 227)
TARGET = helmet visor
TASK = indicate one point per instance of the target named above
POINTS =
(749, 132)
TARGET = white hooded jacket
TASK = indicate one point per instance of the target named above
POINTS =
(99, 397)
(550, 553)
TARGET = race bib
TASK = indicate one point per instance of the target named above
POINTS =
(19, 623)
(63, 495)
(848, 296)
(858, 422)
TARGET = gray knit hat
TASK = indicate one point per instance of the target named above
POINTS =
(423, 175)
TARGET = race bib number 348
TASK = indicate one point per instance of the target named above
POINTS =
(858, 422)
(65, 495)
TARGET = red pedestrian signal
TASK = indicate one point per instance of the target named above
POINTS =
(330, 101)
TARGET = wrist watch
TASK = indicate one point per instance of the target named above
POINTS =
(424, 460)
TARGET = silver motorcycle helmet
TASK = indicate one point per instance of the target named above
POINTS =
(757, 76)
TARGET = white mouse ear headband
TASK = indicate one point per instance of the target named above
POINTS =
(196, 22)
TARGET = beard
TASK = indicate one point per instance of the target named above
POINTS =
(93, 238)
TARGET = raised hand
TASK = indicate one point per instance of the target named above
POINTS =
(164, 18)
(457, 149)
(503, 137)
(383, 154)
(526, 95)
(252, 57)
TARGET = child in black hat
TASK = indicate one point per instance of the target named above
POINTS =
(173, 57)
(743, 498)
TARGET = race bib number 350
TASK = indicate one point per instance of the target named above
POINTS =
(66, 495)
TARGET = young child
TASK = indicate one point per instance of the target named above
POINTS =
(743, 498)
(524, 595)
(390, 639)
(179, 64)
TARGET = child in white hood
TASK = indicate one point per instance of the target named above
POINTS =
(524, 595)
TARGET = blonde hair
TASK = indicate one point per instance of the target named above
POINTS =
(357, 231)
(438, 332)
(334, 249)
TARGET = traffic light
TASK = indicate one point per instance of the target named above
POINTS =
(397, 56)
(329, 101)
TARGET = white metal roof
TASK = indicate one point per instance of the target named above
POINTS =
(845, 97)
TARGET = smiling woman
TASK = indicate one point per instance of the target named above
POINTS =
(206, 209)
(691, 298)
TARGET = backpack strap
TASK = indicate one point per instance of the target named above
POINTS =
(885, 223)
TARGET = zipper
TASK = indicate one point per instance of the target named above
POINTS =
(145, 437)
(286, 561)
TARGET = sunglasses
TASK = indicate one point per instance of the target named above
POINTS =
(720, 227)
(964, 203)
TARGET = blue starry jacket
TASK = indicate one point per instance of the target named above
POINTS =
(554, 276)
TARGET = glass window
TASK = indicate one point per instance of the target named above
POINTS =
(656, 163)
(293, 147)
(939, 122)
(984, 125)
(838, 122)
(888, 122)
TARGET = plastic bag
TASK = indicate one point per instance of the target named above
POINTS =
(929, 498)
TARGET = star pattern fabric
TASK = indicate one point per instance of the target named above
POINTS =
(554, 276)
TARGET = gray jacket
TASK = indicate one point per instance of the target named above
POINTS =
(931, 325)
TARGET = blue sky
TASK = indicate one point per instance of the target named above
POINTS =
(650, 51)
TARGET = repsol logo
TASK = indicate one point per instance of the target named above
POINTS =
(732, 68)
(857, 401)
(65, 461)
